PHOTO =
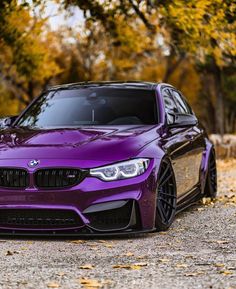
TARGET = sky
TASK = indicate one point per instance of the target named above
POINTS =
(59, 18)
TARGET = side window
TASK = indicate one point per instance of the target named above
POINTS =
(181, 104)
(170, 105)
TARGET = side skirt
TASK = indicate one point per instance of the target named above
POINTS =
(189, 199)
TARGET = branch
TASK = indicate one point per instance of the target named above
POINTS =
(142, 16)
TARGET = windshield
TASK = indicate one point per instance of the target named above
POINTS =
(91, 106)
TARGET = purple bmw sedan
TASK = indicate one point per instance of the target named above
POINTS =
(101, 159)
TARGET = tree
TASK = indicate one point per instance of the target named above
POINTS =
(27, 59)
(201, 29)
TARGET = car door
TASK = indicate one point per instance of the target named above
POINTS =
(183, 142)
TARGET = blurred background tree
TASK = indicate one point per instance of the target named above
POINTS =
(190, 44)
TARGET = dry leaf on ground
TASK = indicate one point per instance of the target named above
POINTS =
(53, 285)
(86, 267)
(135, 266)
(90, 283)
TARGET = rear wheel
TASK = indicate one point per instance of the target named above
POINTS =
(166, 197)
(211, 179)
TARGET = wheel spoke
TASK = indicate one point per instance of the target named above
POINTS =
(169, 195)
(163, 212)
(166, 180)
(164, 173)
(166, 202)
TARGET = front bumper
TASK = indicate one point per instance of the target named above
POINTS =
(96, 208)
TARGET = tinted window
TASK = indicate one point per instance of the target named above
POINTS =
(91, 106)
(181, 105)
(170, 104)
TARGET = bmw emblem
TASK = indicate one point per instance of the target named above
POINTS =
(33, 163)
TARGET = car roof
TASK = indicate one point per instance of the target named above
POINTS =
(108, 84)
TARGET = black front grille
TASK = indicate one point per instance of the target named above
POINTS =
(39, 218)
(58, 178)
(13, 178)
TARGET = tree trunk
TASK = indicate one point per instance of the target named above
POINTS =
(219, 119)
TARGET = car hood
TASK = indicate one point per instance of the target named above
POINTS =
(88, 143)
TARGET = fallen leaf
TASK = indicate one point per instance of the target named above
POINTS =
(164, 260)
(222, 242)
(86, 267)
(135, 266)
(108, 245)
(141, 264)
(219, 265)
(90, 283)
(162, 233)
(192, 274)
(207, 201)
(61, 274)
(53, 285)
(10, 253)
(77, 241)
(129, 254)
(226, 272)
(181, 265)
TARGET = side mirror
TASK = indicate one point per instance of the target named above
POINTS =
(6, 122)
(180, 120)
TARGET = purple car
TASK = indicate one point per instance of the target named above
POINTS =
(102, 159)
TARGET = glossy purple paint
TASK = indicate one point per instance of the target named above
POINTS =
(86, 148)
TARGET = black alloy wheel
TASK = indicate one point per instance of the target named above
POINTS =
(166, 197)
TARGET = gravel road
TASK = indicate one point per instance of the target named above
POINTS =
(199, 251)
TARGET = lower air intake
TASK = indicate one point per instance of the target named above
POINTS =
(114, 219)
(39, 218)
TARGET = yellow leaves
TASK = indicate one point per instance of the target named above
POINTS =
(226, 272)
(222, 242)
(135, 266)
(200, 22)
(227, 200)
(53, 285)
(219, 265)
(181, 265)
(193, 274)
(77, 242)
(93, 283)
(86, 267)
(129, 254)
(219, 242)
(90, 283)
(207, 201)
(164, 260)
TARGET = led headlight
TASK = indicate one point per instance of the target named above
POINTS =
(123, 170)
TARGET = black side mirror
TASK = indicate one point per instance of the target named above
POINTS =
(6, 122)
(180, 120)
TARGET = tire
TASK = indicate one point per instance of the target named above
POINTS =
(166, 197)
(210, 190)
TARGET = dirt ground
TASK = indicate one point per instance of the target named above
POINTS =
(199, 251)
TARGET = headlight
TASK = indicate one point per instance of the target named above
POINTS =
(123, 170)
